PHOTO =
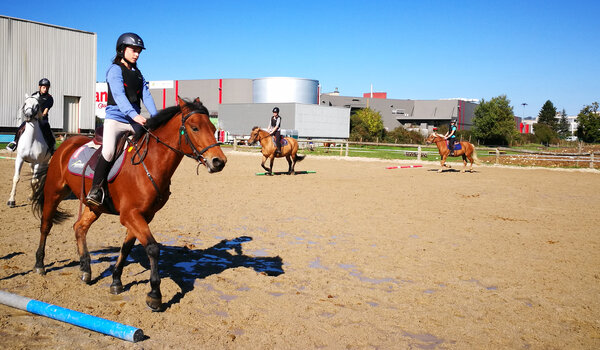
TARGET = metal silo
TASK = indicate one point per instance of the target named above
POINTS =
(285, 90)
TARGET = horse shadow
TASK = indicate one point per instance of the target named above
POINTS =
(184, 265)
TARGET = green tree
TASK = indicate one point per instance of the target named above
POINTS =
(494, 122)
(547, 115)
(401, 135)
(563, 126)
(366, 125)
(588, 119)
(544, 134)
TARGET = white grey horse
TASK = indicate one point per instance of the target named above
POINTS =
(32, 147)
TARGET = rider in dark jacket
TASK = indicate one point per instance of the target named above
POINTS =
(46, 102)
(275, 129)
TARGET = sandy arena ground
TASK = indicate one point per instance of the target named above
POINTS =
(354, 256)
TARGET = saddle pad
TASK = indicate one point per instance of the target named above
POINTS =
(284, 141)
(457, 145)
(84, 153)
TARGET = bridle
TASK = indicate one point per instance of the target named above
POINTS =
(196, 155)
(35, 109)
(258, 137)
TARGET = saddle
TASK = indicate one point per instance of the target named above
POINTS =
(284, 141)
(457, 145)
(88, 155)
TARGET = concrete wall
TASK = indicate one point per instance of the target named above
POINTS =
(30, 51)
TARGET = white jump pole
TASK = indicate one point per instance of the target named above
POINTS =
(76, 318)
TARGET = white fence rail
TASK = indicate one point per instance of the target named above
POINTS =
(343, 147)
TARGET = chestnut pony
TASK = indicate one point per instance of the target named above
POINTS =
(467, 151)
(138, 192)
(289, 151)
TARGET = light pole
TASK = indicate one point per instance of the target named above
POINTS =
(523, 117)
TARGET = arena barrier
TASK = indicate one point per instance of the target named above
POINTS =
(76, 318)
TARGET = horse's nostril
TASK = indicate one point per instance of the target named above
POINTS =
(218, 164)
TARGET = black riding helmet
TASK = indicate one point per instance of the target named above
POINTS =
(44, 82)
(129, 39)
(276, 110)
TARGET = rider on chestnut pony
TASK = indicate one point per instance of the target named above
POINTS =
(126, 89)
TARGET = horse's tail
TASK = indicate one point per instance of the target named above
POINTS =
(300, 157)
(475, 159)
(37, 202)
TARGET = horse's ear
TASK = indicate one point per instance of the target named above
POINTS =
(26, 96)
(183, 105)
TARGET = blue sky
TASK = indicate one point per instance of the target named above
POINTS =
(531, 51)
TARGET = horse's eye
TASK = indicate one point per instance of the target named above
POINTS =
(195, 128)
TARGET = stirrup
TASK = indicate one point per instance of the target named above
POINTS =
(96, 196)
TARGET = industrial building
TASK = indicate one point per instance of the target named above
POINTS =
(30, 51)
(241, 104)
(419, 115)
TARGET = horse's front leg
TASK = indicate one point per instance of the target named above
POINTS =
(117, 286)
(271, 160)
(264, 160)
(137, 225)
(442, 163)
(81, 228)
(290, 164)
(13, 192)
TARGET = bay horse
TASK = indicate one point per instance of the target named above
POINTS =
(467, 151)
(137, 193)
(289, 151)
(32, 147)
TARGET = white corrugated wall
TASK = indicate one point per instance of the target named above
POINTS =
(30, 51)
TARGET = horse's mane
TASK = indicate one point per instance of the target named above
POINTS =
(164, 115)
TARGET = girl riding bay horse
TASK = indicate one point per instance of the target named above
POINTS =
(467, 151)
(288, 150)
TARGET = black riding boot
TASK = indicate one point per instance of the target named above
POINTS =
(96, 194)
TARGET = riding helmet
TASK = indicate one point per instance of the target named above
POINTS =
(276, 110)
(44, 82)
(129, 39)
(452, 121)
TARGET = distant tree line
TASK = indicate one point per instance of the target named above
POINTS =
(493, 124)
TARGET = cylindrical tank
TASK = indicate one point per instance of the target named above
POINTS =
(285, 90)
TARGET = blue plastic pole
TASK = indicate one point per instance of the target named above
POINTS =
(76, 318)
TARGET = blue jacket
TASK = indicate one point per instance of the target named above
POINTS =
(124, 111)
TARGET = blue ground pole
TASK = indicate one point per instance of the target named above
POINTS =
(76, 318)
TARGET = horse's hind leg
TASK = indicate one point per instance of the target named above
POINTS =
(464, 157)
(13, 192)
(117, 286)
(81, 228)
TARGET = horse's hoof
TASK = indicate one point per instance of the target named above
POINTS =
(116, 288)
(40, 270)
(11, 204)
(155, 304)
(439, 171)
(86, 277)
